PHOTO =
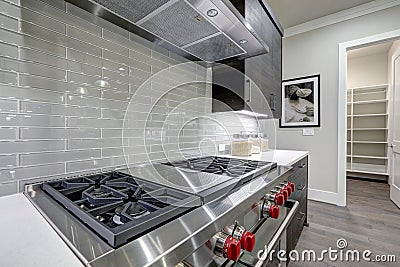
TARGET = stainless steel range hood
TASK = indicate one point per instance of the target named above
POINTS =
(208, 30)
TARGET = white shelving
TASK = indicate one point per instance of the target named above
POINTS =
(365, 102)
(367, 122)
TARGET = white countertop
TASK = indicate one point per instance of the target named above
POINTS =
(281, 157)
(27, 239)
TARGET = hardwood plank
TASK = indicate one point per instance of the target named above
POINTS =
(369, 221)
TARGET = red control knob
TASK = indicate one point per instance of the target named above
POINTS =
(279, 199)
(284, 192)
(274, 211)
(289, 190)
(232, 248)
(292, 186)
(248, 241)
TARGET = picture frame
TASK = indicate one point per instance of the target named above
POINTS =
(301, 102)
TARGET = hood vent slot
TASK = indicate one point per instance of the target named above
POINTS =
(184, 26)
(179, 24)
(132, 10)
(218, 46)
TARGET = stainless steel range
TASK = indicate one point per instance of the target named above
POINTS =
(208, 211)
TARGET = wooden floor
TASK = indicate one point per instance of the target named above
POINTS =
(370, 221)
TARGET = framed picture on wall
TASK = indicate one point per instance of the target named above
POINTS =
(300, 102)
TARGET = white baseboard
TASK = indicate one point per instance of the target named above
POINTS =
(325, 196)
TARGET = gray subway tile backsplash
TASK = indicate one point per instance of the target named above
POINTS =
(7, 91)
(7, 161)
(9, 9)
(41, 20)
(57, 109)
(8, 133)
(27, 146)
(68, 80)
(8, 188)
(7, 105)
(31, 120)
(59, 133)
(60, 156)
(8, 22)
(8, 50)
(8, 77)
(32, 171)
(94, 143)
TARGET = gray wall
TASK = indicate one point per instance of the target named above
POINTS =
(316, 52)
(65, 87)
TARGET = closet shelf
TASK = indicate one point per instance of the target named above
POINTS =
(367, 142)
(369, 129)
(367, 172)
(367, 168)
(365, 102)
(369, 157)
(369, 87)
(371, 115)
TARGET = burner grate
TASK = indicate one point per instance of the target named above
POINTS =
(118, 206)
(231, 167)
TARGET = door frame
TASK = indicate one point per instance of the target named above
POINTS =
(342, 102)
(394, 194)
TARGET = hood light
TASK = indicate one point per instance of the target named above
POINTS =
(212, 13)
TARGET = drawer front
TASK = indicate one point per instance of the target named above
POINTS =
(300, 174)
(300, 165)
(299, 177)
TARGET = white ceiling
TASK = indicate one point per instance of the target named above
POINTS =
(294, 12)
(370, 50)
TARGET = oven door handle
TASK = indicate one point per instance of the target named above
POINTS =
(278, 234)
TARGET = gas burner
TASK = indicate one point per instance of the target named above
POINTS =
(231, 167)
(128, 212)
(118, 206)
(102, 195)
(136, 211)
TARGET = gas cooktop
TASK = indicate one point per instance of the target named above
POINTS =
(232, 167)
(119, 207)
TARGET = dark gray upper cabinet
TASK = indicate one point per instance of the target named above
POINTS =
(232, 91)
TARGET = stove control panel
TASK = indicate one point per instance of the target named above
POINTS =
(247, 239)
(226, 246)
(275, 196)
(269, 210)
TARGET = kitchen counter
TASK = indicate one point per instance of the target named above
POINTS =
(281, 157)
(27, 239)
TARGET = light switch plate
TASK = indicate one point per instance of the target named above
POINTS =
(221, 147)
(308, 132)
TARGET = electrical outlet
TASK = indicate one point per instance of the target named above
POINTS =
(308, 132)
(221, 147)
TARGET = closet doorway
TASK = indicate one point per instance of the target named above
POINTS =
(372, 119)
(368, 112)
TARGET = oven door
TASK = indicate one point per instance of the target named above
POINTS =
(271, 238)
